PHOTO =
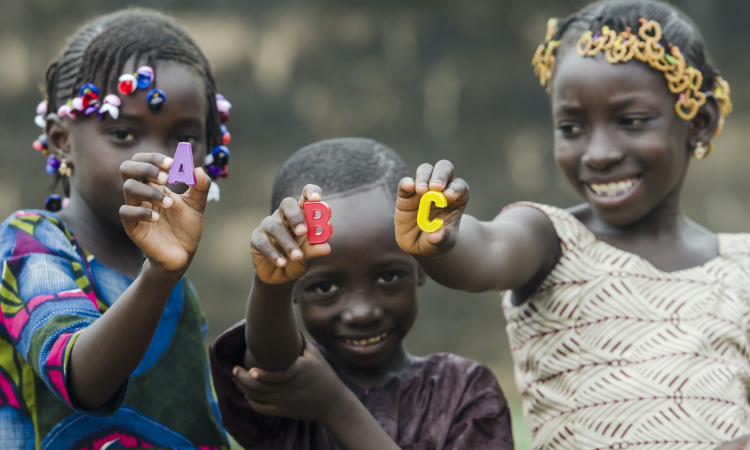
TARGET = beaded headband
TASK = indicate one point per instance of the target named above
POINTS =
(644, 46)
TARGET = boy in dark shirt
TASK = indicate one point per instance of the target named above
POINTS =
(356, 387)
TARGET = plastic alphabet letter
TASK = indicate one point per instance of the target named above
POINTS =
(423, 215)
(317, 216)
(183, 170)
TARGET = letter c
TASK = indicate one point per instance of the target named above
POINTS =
(423, 215)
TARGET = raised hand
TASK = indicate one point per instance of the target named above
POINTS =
(440, 178)
(285, 233)
(166, 226)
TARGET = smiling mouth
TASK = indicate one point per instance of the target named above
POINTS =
(364, 342)
(614, 188)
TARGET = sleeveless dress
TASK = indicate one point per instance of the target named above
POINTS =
(612, 353)
(51, 291)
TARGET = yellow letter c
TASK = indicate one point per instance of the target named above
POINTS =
(423, 215)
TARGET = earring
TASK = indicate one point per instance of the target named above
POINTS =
(64, 170)
(700, 151)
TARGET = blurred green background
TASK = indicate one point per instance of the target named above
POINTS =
(431, 79)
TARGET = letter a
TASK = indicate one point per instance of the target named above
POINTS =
(317, 216)
(183, 170)
(423, 215)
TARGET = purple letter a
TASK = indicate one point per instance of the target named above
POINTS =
(182, 170)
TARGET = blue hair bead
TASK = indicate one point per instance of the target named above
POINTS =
(155, 99)
(91, 86)
(53, 203)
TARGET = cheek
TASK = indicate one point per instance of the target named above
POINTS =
(568, 158)
(317, 320)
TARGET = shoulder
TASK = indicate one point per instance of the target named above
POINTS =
(734, 245)
(35, 231)
(454, 370)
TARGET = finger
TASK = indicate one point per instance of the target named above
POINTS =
(422, 178)
(136, 192)
(252, 386)
(457, 191)
(163, 162)
(196, 196)
(292, 212)
(442, 175)
(316, 250)
(407, 187)
(142, 171)
(275, 228)
(263, 245)
(275, 377)
(311, 193)
(132, 215)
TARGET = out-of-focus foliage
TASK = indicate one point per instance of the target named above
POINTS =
(431, 79)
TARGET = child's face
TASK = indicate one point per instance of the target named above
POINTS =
(360, 301)
(618, 139)
(98, 148)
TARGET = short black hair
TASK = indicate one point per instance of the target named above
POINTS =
(98, 51)
(340, 166)
(677, 29)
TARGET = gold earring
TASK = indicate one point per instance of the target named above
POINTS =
(64, 170)
(700, 151)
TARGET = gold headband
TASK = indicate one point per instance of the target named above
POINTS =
(645, 46)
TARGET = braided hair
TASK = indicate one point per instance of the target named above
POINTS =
(342, 166)
(677, 29)
(98, 52)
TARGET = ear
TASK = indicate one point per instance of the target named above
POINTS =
(58, 136)
(705, 122)
(421, 276)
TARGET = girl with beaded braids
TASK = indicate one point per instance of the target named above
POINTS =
(628, 322)
(101, 337)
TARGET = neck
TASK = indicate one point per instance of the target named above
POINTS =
(107, 242)
(378, 375)
(665, 221)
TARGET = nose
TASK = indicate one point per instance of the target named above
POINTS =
(601, 152)
(360, 312)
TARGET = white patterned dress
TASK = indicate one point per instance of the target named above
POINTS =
(612, 353)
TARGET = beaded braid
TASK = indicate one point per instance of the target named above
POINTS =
(98, 52)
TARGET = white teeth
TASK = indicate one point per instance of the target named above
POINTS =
(368, 341)
(614, 188)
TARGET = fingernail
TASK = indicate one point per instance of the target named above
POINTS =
(154, 215)
(296, 254)
(162, 177)
(235, 370)
(314, 196)
(167, 202)
(300, 229)
(168, 161)
(253, 373)
(281, 262)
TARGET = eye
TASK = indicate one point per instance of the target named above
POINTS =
(633, 121)
(123, 135)
(570, 129)
(390, 277)
(323, 288)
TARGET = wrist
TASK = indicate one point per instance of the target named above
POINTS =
(154, 274)
(272, 290)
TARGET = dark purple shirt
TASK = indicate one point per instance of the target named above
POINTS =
(441, 401)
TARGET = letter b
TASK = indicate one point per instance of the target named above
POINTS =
(317, 216)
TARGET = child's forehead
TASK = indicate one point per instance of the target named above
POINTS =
(368, 210)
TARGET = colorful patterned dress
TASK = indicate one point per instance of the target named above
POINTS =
(51, 291)
(613, 353)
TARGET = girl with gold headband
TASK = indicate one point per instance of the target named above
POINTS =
(628, 322)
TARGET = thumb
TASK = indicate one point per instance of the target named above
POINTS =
(266, 376)
(196, 196)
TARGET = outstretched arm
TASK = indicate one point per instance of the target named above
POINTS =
(281, 255)
(167, 228)
(511, 252)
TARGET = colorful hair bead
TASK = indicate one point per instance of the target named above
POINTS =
(41, 111)
(53, 203)
(110, 104)
(226, 137)
(223, 106)
(144, 76)
(41, 145)
(126, 84)
(67, 110)
(156, 99)
(217, 161)
(52, 165)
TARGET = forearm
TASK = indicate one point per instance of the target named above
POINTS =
(273, 340)
(355, 429)
(109, 350)
(471, 265)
